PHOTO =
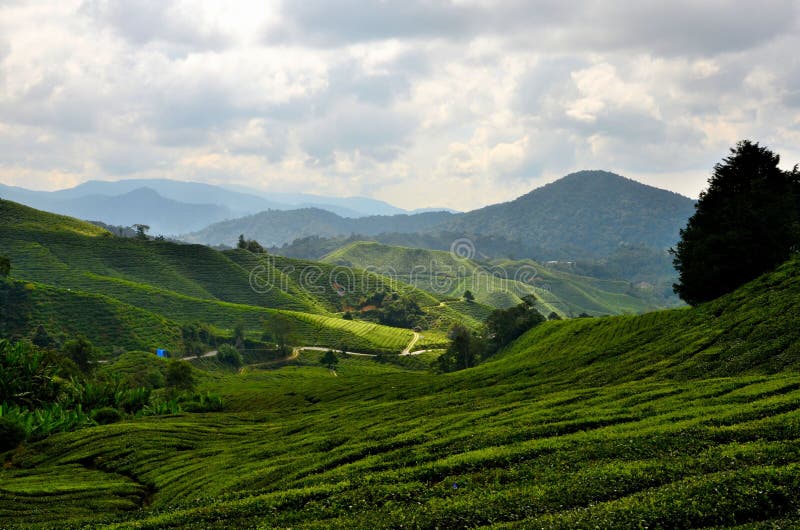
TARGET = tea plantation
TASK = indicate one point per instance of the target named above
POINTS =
(687, 418)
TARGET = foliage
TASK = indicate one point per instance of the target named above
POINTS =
(465, 350)
(250, 245)
(505, 325)
(468, 296)
(106, 415)
(179, 375)
(330, 360)
(11, 434)
(27, 375)
(229, 355)
(80, 351)
(746, 223)
(5, 266)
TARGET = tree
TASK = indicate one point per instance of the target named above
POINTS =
(255, 247)
(81, 352)
(745, 224)
(468, 296)
(141, 230)
(242, 242)
(280, 330)
(239, 335)
(229, 355)
(329, 359)
(553, 316)
(41, 338)
(5, 266)
(505, 325)
(466, 349)
(179, 375)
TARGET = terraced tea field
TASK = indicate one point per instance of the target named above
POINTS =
(678, 419)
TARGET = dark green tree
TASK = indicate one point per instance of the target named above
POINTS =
(280, 330)
(81, 352)
(41, 338)
(230, 356)
(179, 375)
(505, 325)
(242, 242)
(239, 335)
(329, 359)
(5, 266)
(468, 296)
(745, 224)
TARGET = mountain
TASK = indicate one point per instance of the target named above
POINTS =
(216, 203)
(584, 214)
(687, 418)
(588, 214)
(97, 202)
(275, 227)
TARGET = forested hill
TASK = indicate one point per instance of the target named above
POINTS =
(275, 227)
(585, 214)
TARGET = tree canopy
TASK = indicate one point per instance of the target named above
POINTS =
(745, 224)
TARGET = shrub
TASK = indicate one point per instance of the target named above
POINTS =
(106, 415)
(229, 355)
(11, 434)
(179, 375)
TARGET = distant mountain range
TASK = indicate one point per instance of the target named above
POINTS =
(175, 207)
(585, 214)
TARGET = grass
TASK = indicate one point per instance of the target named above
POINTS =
(685, 418)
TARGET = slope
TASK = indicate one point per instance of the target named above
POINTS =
(498, 283)
(568, 429)
(175, 283)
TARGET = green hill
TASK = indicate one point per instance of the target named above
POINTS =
(687, 418)
(75, 266)
(497, 283)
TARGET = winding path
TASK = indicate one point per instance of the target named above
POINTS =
(296, 351)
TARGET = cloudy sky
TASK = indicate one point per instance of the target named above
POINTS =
(422, 103)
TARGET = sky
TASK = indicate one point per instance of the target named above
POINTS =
(457, 103)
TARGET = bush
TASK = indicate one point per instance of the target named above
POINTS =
(230, 356)
(106, 415)
(206, 402)
(179, 375)
(11, 434)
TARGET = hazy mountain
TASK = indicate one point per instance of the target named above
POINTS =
(142, 205)
(583, 215)
(277, 227)
(237, 203)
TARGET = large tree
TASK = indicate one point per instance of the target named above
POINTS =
(745, 224)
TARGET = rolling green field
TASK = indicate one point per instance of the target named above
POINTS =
(499, 283)
(686, 418)
(123, 292)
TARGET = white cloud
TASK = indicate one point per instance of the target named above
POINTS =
(454, 103)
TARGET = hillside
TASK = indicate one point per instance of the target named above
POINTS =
(63, 267)
(498, 283)
(583, 215)
(685, 418)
